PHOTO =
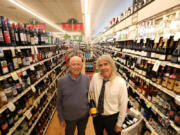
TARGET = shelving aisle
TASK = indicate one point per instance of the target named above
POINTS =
(56, 129)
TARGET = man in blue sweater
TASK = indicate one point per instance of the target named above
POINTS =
(72, 102)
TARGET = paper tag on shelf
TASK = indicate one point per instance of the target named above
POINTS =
(28, 114)
(19, 73)
(36, 50)
(145, 39)
(156, 66)
(148, 105)
(18, 49)
(177, 36)
(1, 52)
(154, 133)
(13, 51)
(14, 76)
(32, 67)
(139, 60)
(33, 88)
(11, 106)
(32, 50)
(156, 40)
(24, 73)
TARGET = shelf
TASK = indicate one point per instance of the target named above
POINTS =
(170, 93)
(49, 121)
(27, 67)
(29, 88)
(156, 109)
(26, 47)
(163, 63)
(141, 15)
(34, 124)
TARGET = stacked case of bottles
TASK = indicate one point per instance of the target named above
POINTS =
(30, 64)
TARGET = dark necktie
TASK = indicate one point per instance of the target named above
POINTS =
(101, 98)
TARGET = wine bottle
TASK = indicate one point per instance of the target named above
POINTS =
(3, 97)
(11, 32)
(2, 43)
(166, 76)
(176, 87)
(176, 53)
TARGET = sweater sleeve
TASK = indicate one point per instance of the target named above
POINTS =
(123, 98)
(60, 101)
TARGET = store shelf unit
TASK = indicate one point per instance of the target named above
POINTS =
(141, 15)
(28, 89)
(35, 102)
(34, 124)
(45, 130)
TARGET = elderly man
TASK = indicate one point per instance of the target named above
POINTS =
(72, 103)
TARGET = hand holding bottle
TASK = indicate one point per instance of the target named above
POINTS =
(117, 129)
(63, 123)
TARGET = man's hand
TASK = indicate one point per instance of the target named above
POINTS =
(117, 129)
(63, 123)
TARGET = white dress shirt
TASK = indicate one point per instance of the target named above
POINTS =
(115, 96)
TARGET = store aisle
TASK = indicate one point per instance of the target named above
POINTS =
(56, 129)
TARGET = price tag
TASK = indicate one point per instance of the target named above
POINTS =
(166, 36)
(28, 114)
(148, 105)
(24, 73)
(11, 106)
(14, 76)
(1, 52)
(156, 66)
(33, 88)
(13, 51)
(18, 49)
(139, 60)
(138, 40)
(177, 36)
(36, 50)
(32, 67)
(154, 133)
(156, 39)
(19, 74)
(145, 39)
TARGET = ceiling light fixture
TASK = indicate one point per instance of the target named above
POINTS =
(35, 14)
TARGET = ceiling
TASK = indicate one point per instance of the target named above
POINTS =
(60, 11)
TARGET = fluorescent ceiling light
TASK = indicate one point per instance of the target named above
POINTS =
(35, 14)
(85, 6)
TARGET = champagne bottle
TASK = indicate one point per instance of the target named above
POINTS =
(92, 104)
(176, 53)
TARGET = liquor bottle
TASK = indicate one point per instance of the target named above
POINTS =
(8, 56)
(171, 79)
(176, 53)
(149, 45)
(4, 123)
(166, 76)
(171, 48)
(5, 31)
(28, 35)
(3, 64)
(92, 105)
(32, 36)
(176, 87)
(1, 35)
(3, 97)
(16, 34)
(159, 47)
(20, 34)
(25, 34)
(11, 32)
(160, 75)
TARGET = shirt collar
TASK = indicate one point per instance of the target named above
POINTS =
(69, 73)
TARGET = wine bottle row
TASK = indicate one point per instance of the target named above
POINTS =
(19, 34)
(89, 67)
(164, 103)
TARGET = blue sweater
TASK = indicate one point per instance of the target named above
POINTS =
(72, 102)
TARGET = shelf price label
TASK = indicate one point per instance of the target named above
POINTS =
(11, 106)
(28, 114)
(32, 67)
(156, 66)
(14, 76)
(1, 52)
(33, 88)
(36, 50)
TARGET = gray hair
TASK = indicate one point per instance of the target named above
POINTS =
(109, 59)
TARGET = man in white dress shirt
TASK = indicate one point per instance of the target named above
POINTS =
(111, 97)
